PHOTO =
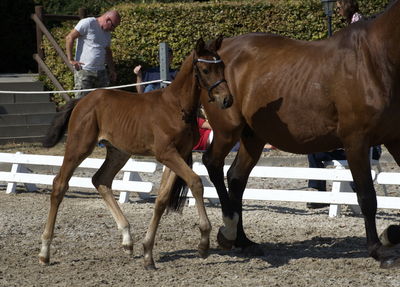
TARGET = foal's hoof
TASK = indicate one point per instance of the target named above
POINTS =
(44, 261)
(150, 267)
(390, 236)
(224, 243)
(128, 249)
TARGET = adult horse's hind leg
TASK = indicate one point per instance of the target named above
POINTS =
(102, 180)
(391, 235)
(75, 152)
(247, 157)
(361, 170)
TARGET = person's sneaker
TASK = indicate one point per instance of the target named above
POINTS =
(315, 205)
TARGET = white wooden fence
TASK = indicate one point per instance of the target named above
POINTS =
(339, 195)
(20, 174)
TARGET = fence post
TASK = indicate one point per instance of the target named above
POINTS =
(164, 64)
(39, 36)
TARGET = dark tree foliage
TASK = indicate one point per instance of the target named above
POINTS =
(18, 41)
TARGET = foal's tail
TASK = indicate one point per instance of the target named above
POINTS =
(179, 191)
(59, 125)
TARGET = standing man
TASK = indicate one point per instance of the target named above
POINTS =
(93, 51)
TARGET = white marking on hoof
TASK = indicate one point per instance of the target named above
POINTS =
(44, 254)
(230, 229)
(126, 237)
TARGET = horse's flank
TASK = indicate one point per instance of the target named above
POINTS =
(319, 86)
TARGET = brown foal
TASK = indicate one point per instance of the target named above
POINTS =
(160, 123)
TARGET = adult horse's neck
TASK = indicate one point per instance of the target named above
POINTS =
(385, 29)
(184, 91)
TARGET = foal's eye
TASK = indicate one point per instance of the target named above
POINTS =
(205, 71)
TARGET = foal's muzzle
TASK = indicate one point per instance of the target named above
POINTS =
(213, 86)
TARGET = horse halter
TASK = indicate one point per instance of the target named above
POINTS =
(201, 82)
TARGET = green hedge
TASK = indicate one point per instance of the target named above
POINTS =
(144, 26)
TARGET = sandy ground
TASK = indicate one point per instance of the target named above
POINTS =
(301, 247)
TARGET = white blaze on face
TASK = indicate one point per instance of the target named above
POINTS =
(230, 229)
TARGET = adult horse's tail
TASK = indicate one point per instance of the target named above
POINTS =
(179, 191)
(59, 124)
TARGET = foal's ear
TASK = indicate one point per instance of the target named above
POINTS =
(200, 46)
(216, 44)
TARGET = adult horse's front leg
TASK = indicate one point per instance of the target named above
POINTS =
(361, 170)
(247, 157)
(214, 159)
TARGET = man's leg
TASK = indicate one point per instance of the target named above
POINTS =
(84, 80)
(316, 160)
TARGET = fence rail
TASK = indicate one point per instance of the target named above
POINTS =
(340, 194)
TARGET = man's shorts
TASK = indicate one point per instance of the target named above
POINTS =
(90, 79)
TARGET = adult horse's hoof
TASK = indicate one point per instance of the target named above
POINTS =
(390, 236)
(224, 243)
(389, 256)
(390, 263)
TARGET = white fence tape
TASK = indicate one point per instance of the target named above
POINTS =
(83, 90)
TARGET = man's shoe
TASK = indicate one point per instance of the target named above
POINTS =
(314, 205)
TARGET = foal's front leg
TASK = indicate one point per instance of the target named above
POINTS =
(167, 182)
(175, 162)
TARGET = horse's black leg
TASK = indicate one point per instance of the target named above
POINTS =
(391, 235)
(238, 174)
(214, 159)
(361, 170)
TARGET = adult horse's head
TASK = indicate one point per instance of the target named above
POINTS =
(209, 70)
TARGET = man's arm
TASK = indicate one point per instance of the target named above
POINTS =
(69, 44)
(110, 64)
(138, 71)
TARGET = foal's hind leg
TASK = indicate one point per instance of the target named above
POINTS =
(75, 153)
(102, 180)
(238, 174)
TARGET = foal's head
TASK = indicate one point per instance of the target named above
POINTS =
(209, 70)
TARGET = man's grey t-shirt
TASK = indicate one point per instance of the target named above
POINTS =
(91, 45)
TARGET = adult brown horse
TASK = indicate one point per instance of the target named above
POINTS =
(306, 97)
(160, 123)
